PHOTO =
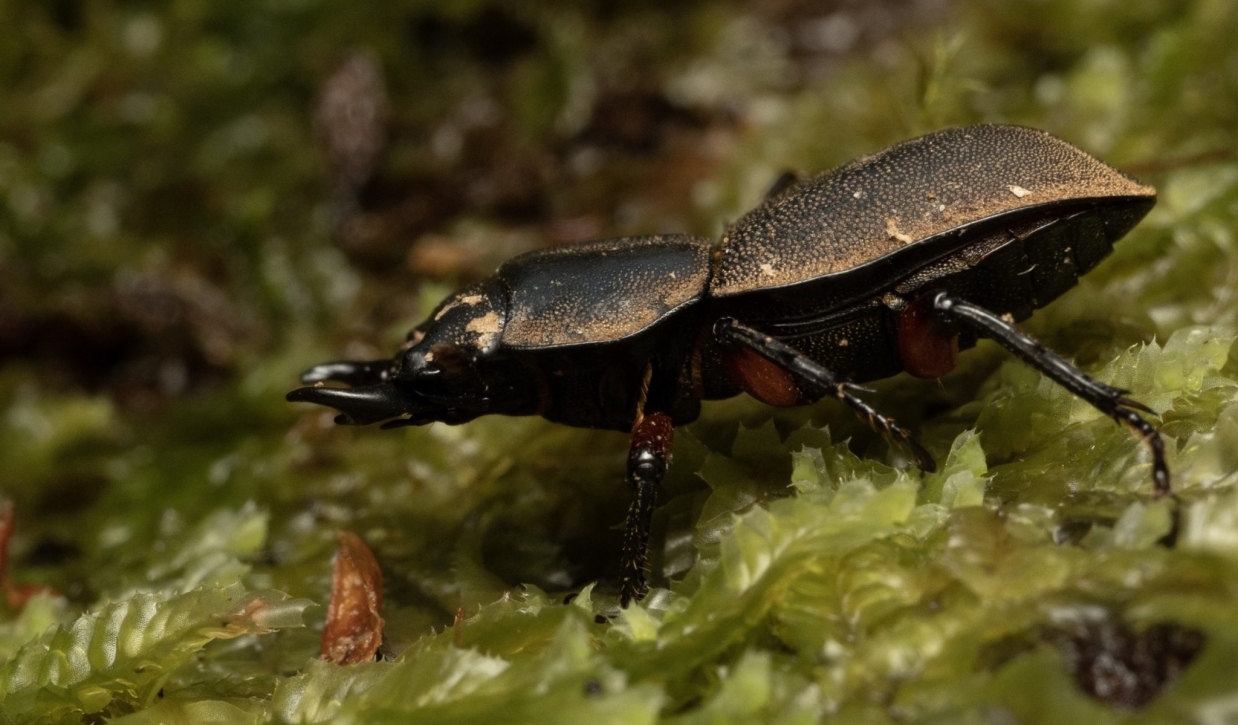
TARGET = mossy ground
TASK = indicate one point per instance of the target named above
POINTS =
(175, 246)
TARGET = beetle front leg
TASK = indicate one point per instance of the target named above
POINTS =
(731, 331)
(1108, 400)
(648, 459)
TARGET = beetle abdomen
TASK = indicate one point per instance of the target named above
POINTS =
(882, 204)
(1011, 270)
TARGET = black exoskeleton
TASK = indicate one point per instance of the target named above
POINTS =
(891, 263)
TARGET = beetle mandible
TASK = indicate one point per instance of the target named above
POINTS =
(893, 262)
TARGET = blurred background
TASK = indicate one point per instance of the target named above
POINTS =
(200, 199)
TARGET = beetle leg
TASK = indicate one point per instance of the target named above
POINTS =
(729, 330)
(352, 372)
(1108, 400)
(648, 459)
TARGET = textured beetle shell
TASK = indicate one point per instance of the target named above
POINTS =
(881, 204)
(601, 291)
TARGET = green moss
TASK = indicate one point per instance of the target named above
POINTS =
(804, 571)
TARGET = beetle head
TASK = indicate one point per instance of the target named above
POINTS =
(437, 376)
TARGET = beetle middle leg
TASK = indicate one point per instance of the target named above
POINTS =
(807, 370)
(1108, 400)
(648, 459)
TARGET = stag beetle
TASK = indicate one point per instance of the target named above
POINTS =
(893, 262)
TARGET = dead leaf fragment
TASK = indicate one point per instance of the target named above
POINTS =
(354, 629)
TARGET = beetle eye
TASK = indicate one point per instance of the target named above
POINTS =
(416, 364)
(447, 359)
(443, 361)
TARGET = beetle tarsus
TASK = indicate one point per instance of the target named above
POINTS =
(1148, 433)
(648, 459)
(730, 330)
(1126, 402)
(887, 428)
(1109, 400)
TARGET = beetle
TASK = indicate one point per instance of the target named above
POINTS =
(893, 262)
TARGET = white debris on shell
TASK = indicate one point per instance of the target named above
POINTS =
(892, 230)
(768, 270)
(1018, 191)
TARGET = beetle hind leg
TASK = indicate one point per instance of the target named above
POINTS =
(810, 372)
(648, 459)
(1107, 399)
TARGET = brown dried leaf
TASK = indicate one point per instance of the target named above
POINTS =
(354, 629)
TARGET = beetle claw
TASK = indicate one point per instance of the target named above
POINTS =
(358, 406)
(1126, 402)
